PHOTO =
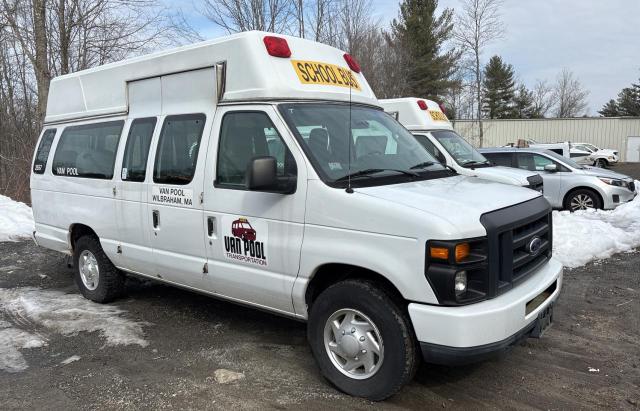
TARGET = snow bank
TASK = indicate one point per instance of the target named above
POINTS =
(584, 236)
(16, 220)
(67, 314)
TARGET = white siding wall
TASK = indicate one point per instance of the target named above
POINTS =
(602, 132)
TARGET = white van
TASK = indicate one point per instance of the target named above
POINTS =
(261, 169)
(429, 124)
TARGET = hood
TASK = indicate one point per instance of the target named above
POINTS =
(460, 200)
(603, 172)
(506, 175)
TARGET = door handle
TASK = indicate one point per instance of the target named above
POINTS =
(156, 218)
(211, 225)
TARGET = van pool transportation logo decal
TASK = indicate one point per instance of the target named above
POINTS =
(245, 241)
(314, 72)
(172, 196)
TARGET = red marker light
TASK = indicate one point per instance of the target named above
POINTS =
(277, 46)
(423, 105)
(352, 63)
(442, 108)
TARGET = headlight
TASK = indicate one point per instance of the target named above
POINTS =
(613, 181)
(457, 270)
(610, 158)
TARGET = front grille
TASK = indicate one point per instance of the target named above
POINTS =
(511, 232)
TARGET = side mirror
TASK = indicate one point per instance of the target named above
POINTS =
(552, 168)
(262, 175)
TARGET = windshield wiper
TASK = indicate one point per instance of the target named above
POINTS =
(367, 173)
(424, 164)
(474, 162)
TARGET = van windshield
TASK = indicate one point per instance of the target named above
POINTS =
(382, 151)
(461, 151)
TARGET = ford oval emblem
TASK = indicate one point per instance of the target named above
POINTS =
(534, 246)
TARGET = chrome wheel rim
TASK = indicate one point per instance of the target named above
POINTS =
(581, 202)
(89, 270)
(353, 343)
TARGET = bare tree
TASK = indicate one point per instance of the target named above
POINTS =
(569, 95)
(243, 15)
(476, 26)
(542, 94)
(40, 39)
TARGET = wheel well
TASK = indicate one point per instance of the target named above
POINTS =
(330, 274)
(79, 230)
(597, 193)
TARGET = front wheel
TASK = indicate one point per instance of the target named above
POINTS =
(582, 199)
(601, 163)
(361, 340)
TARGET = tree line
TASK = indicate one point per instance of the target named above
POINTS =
(425, 51)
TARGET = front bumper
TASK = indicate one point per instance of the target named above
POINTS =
(615, 196)
(457, 335)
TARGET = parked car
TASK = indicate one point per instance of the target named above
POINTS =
(568, 185)
(429, 124)
(153, 165)
(602, 158)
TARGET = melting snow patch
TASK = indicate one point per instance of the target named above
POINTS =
(67, 314)
(584, 236)
(71, 359)
(12, 340)
(16, 220)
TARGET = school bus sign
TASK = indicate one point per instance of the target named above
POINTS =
(314, 72)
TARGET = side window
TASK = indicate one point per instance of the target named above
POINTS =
(178, 148)
(88, 151)
(534, 162)
(430, 147)
(500, 159)
(40, 162)
(134, 163)
(243, 136)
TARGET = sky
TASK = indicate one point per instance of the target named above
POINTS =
(598, 40)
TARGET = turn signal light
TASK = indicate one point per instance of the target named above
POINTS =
(277, 46)
(352, 63)
(440, 253)
(462, 251)
(423, 105)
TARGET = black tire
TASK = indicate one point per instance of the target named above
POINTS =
(601, 163)
(575, 195)
(110, 283)
(400, 348)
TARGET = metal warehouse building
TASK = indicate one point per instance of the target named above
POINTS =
(622, 134)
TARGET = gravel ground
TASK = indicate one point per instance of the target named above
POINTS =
(191, 338)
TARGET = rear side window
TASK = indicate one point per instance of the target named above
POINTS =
(88, 151)
(178, 148)
(134, 164)
(500, 159)
(40, 162)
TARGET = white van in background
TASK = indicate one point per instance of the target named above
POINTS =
(431, 127)
(262, 170)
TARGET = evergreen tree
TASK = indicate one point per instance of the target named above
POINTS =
(627, 104)
(498, 86)
(523, 106)
(422, 35)
(610, 109)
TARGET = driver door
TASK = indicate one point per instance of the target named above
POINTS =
(253, 238)
(552, 180)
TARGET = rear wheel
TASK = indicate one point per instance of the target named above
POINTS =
(582, 199)
(96, 277)
(361, 340)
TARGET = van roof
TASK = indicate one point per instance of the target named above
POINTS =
(251, 74)
(415, 118)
